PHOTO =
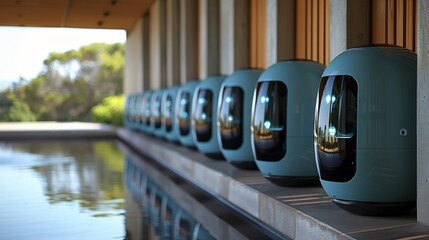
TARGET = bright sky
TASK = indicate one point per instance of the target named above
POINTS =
(23, 49)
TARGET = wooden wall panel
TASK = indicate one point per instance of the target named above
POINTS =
(400, 21)
(301, 30)
(312, 30)
(321, 29)
(309, 32)
(327, 32)
(394, 22)
(258, 29)
(410, 24)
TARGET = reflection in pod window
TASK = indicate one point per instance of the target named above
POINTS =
(157, 112)
(335, 128)
(231, 118)
(183, 113)
(140, 110)
(147, 111)
(168, 113)
(269, 121)
(203, 115)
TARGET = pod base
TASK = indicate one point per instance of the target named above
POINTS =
(374, 209)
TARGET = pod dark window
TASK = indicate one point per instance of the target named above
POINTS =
(127, 109)
(335, 128)
(183, 113)
(231, 118)
(269, 121)
(185, 231)
(144, 106)
(132, 104)
(148, 110)
(168, 113)
(157, 111)
(140, 110)
(203, 115)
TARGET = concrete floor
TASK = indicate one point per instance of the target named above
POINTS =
(299, 213)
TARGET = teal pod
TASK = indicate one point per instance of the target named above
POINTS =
(204, 115)
(146, 112)
(168, 114)
(234, 117)
(132, 111)
(156, 118)
(365, 140)
(138, 111)
(127, 111)
(183, 113)
(282, 122)
(141, 111)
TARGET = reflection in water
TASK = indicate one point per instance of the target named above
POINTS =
(162, 217)
(61, 190)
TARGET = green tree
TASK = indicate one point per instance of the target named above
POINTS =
(110, 111)
(20, 112)
(70, 84)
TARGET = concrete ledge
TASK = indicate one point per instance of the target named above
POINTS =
(56, 130)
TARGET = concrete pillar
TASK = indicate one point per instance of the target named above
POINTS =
(422, 112)
(157, 45)
(350, 24)
(280, 30)
(188, 40)
(173, 42)
(208, 29)
(146, 53)
(234, 35)
(134, 59)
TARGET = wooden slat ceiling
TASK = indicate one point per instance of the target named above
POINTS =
(109, 14)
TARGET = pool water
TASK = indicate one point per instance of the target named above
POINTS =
(101, 189)
(61, 190)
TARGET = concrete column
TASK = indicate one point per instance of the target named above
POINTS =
(134, 72)
(188, 40)
(350, 24)
(422, 112)
(173, 42)
(157, 45)
(280, 30)
(146, 53)
(208, 29)
(234, 35)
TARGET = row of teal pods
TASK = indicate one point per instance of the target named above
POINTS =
(350, 126)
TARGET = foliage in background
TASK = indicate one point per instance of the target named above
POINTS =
(68, 87)
(110, 111)
(20, 112)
